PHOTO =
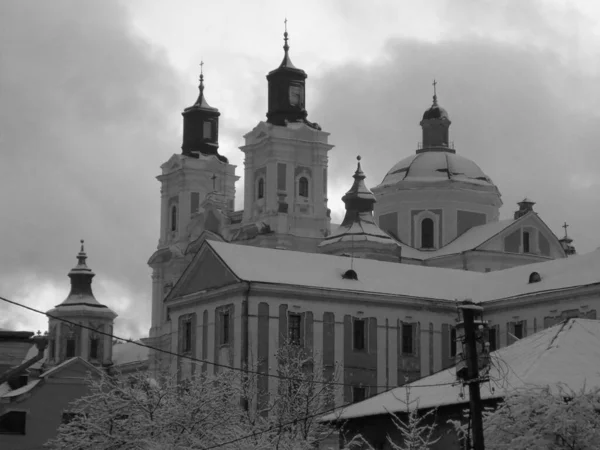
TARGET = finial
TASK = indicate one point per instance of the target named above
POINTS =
(82, 250)
(286, 47)
(565, 226)
(434, 92)
(81, 257)
(201, 75)
(359, 173)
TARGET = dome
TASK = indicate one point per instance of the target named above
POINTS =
(432, 167)
(435, 112)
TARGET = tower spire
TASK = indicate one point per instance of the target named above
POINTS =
(434, 92)
(286, 47)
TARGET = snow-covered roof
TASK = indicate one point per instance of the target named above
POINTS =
(435, 166)
(565, 354)
(7, 392)
(471, 238)
(129, 352)
(325, 271)
(322, 271)
(557, 274)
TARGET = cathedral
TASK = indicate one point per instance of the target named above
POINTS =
(375, 294)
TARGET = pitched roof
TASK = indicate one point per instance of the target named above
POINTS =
(567, 353)
(325, 271)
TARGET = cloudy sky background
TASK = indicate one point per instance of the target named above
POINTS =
(91, 94)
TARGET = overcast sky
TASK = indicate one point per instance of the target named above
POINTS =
(91, 94)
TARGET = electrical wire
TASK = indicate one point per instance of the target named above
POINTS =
(203, 361)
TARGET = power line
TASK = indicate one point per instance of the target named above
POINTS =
(203, 361)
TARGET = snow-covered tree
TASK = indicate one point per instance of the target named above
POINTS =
(416, 433)
(138, 412)
(545, 418)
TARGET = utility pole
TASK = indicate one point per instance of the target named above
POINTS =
(468, 311)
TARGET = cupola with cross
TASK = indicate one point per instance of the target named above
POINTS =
(201, 126)
(435, 125)
(359, 236)
(80, 325)
(287, 91)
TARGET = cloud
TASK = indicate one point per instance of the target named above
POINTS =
(85, 111)
(519, 112)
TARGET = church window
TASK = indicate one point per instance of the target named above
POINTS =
(187, 336)
(51, 348)
(453, 342)
(294, 329)
(94, 347)
(13, 422)
(70, 347)
(194, 202)
(303, 187)
(534, 277)
(207, 130)
(427, 233)
(407, 339)
(261, 188)
(174, 218)
(359, 393)
(225, 328)
(359, 334)
(526, 244)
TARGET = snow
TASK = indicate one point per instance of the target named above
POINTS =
(325, 272)
(128, 352)
(4, 393)
(432, 166)
(391, 278)
(471, 239)
(565, 354)
(558, 274)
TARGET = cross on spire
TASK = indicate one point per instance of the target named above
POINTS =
(201, 73)
(565, 226)
(286, 47)
(434, 91)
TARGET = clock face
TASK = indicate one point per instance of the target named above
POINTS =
(296, 97)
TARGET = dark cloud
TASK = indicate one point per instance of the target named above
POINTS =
(85, 110)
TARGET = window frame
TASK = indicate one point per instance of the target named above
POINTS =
(363, 338)
(411, 339)
(521, 327)
(186, 342)
(430, 234)
(260, 188)
(22, 429)
(357, 389)
(293, 340)
(526, 242)
(303, 187)
(94, 345)
(453, 342)
(67, 347)
(207, 125)
(173, 218)
(417, 219)
(225, 327)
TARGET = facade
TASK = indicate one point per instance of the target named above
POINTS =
(377, 294)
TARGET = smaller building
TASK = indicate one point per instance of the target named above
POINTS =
(565, 354)
(35, 394)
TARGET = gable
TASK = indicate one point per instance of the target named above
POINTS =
(530, 235)
(75, 368)
(206, 271)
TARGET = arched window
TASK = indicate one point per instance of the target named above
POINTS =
(427, 233)
(261, 188)
(303, 187)
(174, 218)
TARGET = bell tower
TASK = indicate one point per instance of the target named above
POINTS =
(285, 182)
(187, 180)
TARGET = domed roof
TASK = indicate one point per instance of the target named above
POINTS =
(435, 112)
(434, 167)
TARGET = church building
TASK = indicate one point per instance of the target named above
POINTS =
(375, 294)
